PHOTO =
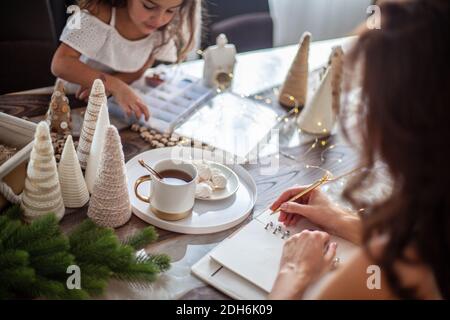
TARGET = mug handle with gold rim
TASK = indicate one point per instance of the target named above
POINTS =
(138, 182)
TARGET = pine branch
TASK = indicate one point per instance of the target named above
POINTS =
(13, 258)
(104, 251)
(16, 279)
(34, 258)
(93, 285)
(7, 229)
(42, 228)
(53, 265)
(138, 272)
(95, 270)
(87, 232)
(142, 238)
(76, 294)
(47, 288)
(48, 246)
(160, 260)
(13, 212)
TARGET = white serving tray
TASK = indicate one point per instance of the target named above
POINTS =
(207, 216)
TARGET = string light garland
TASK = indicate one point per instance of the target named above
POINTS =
(283, 120)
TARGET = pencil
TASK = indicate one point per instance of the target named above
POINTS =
(326, 178)
(313, 186)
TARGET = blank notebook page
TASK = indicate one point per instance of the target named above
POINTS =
(254, 252)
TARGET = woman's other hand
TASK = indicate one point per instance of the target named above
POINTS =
(306, 256)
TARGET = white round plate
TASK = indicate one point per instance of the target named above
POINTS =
(207, 216)
(232, 183)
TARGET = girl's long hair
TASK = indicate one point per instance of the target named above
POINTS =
(403, 116)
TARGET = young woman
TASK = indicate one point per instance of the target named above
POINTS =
(404, 113)
(119, 39)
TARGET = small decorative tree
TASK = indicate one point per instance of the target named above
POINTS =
(58, 114)
(110, 203)
(295, 87)
(73, 187)
(97, 98)
(42, 192)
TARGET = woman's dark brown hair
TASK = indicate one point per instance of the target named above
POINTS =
(404, 119)
(185, 18)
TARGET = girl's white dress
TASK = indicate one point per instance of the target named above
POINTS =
(102, 47)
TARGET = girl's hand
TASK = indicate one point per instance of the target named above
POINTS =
(317, 208)
(83, 94)
(306, 256)
(128, 100)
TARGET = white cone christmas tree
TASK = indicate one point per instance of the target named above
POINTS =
(318, 117)
(73, 186)
(110, 202)
(98, 142)
(97, 98)
(42, 192)
(337, 66)
(295, 86)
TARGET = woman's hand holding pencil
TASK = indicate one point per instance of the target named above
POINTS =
(315, 206)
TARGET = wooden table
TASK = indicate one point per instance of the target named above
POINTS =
(255, 72)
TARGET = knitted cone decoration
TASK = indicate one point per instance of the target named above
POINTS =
(96, 100)
(337, 66)
(42, 193)
(110, 203)
(58, 114)
(295, 86)
(318, 116)
(98, 141)
(73, 186)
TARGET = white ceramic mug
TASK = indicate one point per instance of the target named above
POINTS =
(168, 201)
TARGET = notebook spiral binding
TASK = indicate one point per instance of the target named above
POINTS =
(277, 230)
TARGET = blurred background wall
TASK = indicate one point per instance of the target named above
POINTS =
(325, 19)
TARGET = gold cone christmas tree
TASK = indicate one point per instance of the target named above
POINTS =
(73, 186)
(337, 66)
(295, 86)
(42, 192)
(58, 114)
(96, 99)
(110, 202)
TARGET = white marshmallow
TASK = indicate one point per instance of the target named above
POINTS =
(203, 190)
(209, 183)
(219, 181)
(204, 172)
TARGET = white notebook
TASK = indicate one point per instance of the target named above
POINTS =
(254, 252)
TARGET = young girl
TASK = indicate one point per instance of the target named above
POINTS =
(119, 39)
(404, 121)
